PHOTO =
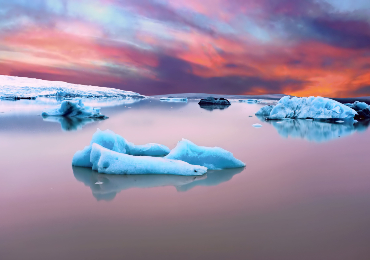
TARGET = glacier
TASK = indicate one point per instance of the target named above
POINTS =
(108, 139)
(110, 162)
(74, 108)
(307, 108)
(14, 88)
(214, 158)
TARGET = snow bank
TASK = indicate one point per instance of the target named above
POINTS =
(21, 87)
(111, 162)
(108, 139)
(74, 108)
(362, 109)
(311, 107)
(213, 158)
(171, 99)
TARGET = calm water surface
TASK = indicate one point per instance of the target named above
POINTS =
(304, 194)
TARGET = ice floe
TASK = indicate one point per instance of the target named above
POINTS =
(214, 158)
(310, 107)
(74, 108)
(257, 125)
(172, 99)
(21, 87)
(108, 139)
(110, 162)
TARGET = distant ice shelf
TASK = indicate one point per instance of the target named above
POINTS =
(14, 88)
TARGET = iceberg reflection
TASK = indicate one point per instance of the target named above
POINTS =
(316, 131)
(71, 123)
(106, 187)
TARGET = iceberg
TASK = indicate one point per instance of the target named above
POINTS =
(213, 158)
(214, 101)
(74, 108)
(111, 162)
(249, 101)
(172, 99)
(307, 108)
(362, 109)
(21, 87)
(108, 139)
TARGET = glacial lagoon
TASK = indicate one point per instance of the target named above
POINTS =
(304, 193)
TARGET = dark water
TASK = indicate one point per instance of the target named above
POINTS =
(304, 194)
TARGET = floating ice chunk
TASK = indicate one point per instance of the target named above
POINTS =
(110, 162)
(311, 107)
(108, 139)
(250, 101)
(214, 101)
(74, 108)
(257, 125)
(340, 121)
(172, 99)
(213, 158)
(98, 183)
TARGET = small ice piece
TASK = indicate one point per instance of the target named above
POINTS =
(308, 107)
(108, 139)
(172, 99)
(74, 108)
(98, 183)
(213, 158)
(257, 125)
(111, 162)
(340, 121)
(250, 101)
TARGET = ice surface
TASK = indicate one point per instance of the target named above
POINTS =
(171, 99)
(74, 108)
(111, 162)
(213, 158)
(311, 107)
(13, 87)
(108, 139)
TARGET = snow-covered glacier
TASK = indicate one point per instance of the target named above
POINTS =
(12, 87)
(307, 108)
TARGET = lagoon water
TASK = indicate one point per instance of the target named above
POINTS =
(304, 194)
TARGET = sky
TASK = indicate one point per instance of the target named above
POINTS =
(297, 47)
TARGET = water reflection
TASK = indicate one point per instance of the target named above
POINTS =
(106, 187)
(71, 123)
(213, 107)
(316, 131)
